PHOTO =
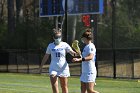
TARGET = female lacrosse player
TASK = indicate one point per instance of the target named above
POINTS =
(88, 74)
(58, 67)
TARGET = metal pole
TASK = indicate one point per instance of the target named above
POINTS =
(113, 36)
(95, 29)
(56, 22)
(65, 31)
(133, 67)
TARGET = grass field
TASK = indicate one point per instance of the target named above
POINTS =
(28, 83)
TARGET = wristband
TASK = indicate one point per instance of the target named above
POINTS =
(83, 59)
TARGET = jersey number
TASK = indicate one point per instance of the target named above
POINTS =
(57, 54)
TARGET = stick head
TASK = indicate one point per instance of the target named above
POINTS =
(75, 45)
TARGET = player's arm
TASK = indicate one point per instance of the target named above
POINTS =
(73, 53)
(87, 58)
(44, 60)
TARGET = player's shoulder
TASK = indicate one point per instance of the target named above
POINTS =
(64, 43)
(51, 44)
(91, 45)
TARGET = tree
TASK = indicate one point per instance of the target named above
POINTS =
(19, 10)
(11, 16)
(2, 4)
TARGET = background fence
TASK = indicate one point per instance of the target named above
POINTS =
(126, 65)
(28, 61)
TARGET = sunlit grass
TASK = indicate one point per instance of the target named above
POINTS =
(29, 83)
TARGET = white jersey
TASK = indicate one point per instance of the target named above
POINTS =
(58, 58)
(89, 66)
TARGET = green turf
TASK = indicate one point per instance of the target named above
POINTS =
(27, 83)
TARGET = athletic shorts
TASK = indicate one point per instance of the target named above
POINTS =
(88, 77)
(64, 73)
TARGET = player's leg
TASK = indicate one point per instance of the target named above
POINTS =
(54, 83)
(64, 84)
(83, 87)
(90, 87)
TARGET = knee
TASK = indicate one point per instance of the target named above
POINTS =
(89, 90)
(64, 86)
(54, 85)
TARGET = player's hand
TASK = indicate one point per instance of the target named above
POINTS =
(76, 59)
